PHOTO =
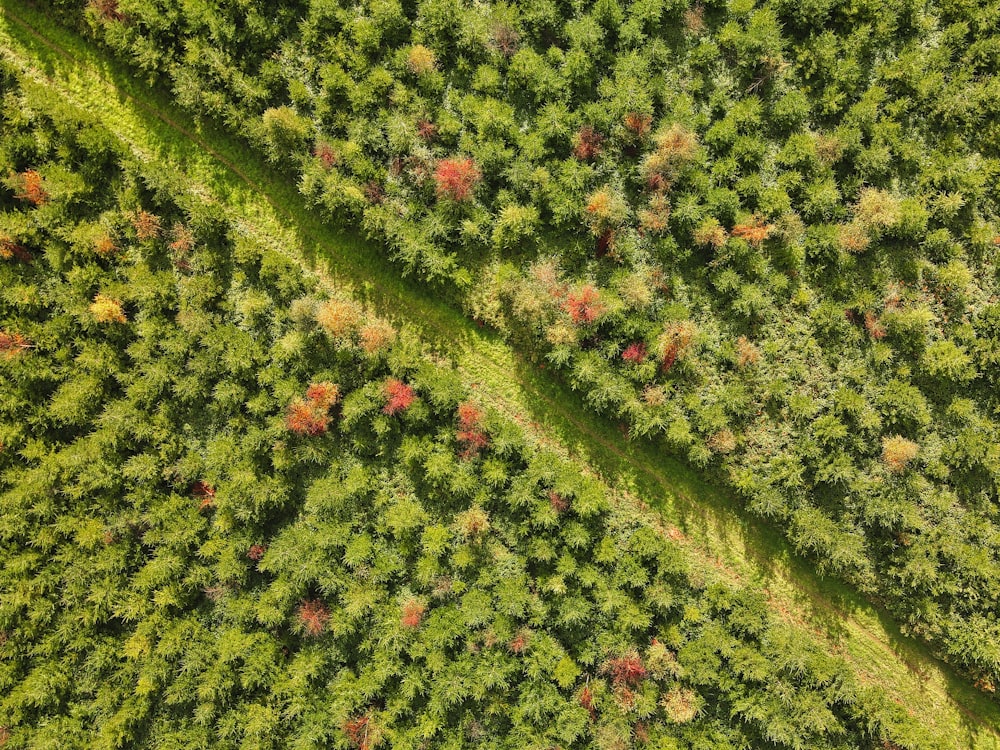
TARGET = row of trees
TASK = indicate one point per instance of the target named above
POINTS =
(239, 511)
(772, 226)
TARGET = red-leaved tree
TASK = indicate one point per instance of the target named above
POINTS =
(470, 433)
(456, 178)
(584, 305)
(413, 613)
(626, 671)
(398, 396)
(12, 344)
(30, 188)
(587, 143)
(313, 616)
(635, 353)
(311, 415)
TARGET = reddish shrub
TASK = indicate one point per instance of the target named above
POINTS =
(426, 129)
(256, 552)
(30, 188)
(456, 178)
(10, 250)
(305, 419)
(470, 432)
(362, 733)
(106, 10)
(181, 239)
(105, 247)
(626, 671)
(557, 502)
(327, 155)
(754, 231)
(147, 225)
(12, 344)
(313, 616)
(374, 193)
(669, 357)
(641, 732)
(635, 353)
(399, 396)
(637, 123)
(584, 305)
(519, 643)
(874, 326)
(323, 395)
(311, 416)
(204, 493)
(413, 613)
(587, 143)
(586, 699)
(605, 243)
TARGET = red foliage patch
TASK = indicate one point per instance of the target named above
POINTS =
(470, 431)
(413, 613)
(256, 552)
(586, 699)
(327, 155)
(10, 250)
(313, 616)
(12, 344)
(374, 193)
(626, 671)
(637, 123)
(754, 231)
(670, 356)
(29, 188)
(147, 225)
(605, 243)
(205, 493)
(587, 143)
(305, 419)
(311, 416)
(106, 10)
(557, 502)
(519, 642)
(399, 396)
(357, 732)
(456, 178)
(641, 731)
(584, 305)
(323, 395)
(635, 353)
(426, 129)
(874, 326)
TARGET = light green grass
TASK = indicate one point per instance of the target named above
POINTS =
(267, 203)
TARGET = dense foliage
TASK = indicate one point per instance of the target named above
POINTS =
(763, 230)
(239, 511)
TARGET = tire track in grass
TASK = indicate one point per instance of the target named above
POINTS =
(709, 522)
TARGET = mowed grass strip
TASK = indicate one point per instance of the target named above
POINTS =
(709, 520)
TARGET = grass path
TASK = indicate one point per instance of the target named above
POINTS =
(713, 525)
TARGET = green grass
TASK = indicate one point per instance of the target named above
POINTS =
(267, 203)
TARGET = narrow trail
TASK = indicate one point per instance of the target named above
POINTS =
(708, 521)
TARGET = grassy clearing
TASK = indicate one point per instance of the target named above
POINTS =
(267, 203)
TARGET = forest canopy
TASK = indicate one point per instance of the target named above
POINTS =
(764, 234)
(237, 509)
